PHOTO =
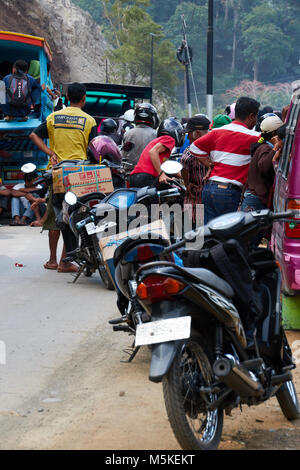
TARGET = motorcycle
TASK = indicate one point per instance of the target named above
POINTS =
(215, 332)
(109, 215)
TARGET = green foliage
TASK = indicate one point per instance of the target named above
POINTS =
(252, 39)
(129, 28)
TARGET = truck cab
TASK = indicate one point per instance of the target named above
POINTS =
(16, 148)
(105, 100)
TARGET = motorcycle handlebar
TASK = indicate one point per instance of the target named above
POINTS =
(84, 222)
(167, 192)
(283, 215)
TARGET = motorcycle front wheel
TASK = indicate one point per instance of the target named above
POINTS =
(103, 272)
(288, 400)
(194, 425)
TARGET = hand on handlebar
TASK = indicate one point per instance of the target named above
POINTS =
(164, 178)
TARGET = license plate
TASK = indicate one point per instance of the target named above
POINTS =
(163, 330)
(91, 228)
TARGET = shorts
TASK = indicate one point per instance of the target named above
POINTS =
(50, 223)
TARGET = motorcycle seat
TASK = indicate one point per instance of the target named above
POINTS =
(203, 276)
(212, 280)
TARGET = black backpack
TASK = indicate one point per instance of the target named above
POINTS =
(18, 90)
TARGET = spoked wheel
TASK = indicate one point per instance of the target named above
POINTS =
(288, 400)
(194, 425)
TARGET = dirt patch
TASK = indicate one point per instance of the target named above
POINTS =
(95, 401)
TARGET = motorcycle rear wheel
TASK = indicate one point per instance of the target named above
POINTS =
(288, 400)
(194, 426)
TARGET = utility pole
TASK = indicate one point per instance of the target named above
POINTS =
(151, 63)
(187, 64)
(210, 56)
(184, 54)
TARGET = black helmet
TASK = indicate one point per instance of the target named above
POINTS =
(173, 128)
(145, 113)
(109, 126)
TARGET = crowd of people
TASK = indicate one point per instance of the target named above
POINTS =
(228, 164)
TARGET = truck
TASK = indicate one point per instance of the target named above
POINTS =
(16, 148)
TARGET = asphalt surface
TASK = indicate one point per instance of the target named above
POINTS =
(44, 317)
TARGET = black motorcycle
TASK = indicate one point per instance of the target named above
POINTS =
(215, 330)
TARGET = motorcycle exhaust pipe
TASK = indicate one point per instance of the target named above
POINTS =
(237, 377)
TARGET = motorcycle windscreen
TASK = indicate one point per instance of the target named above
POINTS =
(122, 199)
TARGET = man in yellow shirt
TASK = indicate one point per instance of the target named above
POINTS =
(69, 131)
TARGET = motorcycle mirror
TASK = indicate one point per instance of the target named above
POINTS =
(171, 167)
(28, 168)
(70, 198)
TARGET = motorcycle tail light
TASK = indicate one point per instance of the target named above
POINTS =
(155, 288)
(292, 229)
(144, 253)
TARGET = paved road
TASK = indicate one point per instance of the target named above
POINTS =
(64, 386)
(43, 316)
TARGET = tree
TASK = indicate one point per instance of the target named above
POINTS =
(129, 28)
(266, 45)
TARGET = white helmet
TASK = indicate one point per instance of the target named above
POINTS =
(270, 123)
(129, 115)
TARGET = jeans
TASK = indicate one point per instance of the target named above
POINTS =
(218, 201)
(21, 208)
(251, 202)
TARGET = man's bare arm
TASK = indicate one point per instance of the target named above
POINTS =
(42, 146)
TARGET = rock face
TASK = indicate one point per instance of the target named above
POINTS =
(76, 41)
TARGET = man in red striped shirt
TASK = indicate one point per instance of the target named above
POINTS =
(227, 151)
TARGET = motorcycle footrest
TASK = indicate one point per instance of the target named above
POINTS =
(71, 255)
(121, 328)
(116, 321)
(277, 379)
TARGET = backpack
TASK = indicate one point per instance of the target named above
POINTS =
(18, 90)
(227, 261)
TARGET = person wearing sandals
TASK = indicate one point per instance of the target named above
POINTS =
(69, 132)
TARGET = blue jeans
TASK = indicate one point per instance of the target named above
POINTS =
(18, 208)
(251, 202)
(218, 201)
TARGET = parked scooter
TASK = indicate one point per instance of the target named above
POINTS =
(215, 330)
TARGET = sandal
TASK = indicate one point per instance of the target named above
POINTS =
(51, 266)
(69, 269)
(14, 223)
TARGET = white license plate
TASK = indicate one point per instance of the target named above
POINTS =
(163, 330)
(91, 228)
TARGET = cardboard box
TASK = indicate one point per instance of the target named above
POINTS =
(59, 174)
(108, 245)
(90, 181)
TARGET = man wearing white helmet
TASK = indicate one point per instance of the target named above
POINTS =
(259, 186)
